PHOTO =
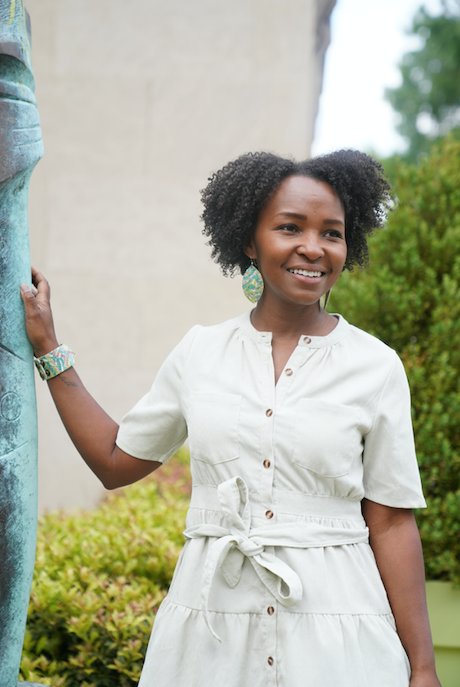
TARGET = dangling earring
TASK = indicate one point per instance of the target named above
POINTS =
(326, 298)
(253, 284)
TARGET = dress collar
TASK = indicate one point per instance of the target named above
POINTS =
(338, 333)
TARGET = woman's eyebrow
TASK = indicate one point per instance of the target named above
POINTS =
(291, 214)
(334, 221)
(297, 215)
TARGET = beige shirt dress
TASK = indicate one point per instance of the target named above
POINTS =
(277, 585)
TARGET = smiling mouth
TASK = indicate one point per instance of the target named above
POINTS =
(307, 273)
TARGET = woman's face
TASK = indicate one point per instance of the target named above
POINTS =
(299, 242)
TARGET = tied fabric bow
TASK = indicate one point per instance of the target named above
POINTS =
(239, 540)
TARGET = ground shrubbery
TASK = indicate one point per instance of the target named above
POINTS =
(410, 298)
(99, 579)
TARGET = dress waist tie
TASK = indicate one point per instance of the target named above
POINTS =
(238, 540)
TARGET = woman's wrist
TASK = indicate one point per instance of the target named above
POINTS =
(422, 661)
(45, 347)
(427, 670)
(54, 363)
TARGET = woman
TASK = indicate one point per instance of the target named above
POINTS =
(300, 436)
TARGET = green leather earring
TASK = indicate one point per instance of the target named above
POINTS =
(253, 284)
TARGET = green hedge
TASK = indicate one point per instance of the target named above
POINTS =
(410, 298)
(99, 579)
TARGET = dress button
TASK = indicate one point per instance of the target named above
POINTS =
(306, 339)
(288, 372)
(269, 514)
(269, 412)
(270, 610)
(267, 463)
(270, 661)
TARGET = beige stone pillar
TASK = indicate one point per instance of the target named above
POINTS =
(139, 102)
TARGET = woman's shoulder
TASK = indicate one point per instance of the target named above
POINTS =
(363, 342)
(200, 335)
(219, 329)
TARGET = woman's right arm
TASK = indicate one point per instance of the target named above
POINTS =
(92, 431)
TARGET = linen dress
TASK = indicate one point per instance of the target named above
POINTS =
(277, 584)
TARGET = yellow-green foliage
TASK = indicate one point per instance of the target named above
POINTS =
(410, 298)
(99, 579)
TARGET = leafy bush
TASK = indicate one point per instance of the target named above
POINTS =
(410, 298)
(99, 579)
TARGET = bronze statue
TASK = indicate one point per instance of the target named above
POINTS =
(20, 149)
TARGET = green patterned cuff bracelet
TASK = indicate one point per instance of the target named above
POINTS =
(55, 362)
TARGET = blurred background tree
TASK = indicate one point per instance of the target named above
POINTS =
(428, 100)
(410, 299)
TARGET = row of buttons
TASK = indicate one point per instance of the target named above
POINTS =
(266, 464)
(270, 611)
(269, 514)
(288, 372)
(269, 411)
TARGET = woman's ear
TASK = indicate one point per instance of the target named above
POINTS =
(249, 249)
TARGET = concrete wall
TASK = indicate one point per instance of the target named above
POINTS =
(139, 102)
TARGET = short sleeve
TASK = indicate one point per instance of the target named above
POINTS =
(155, 428)
(391, 474)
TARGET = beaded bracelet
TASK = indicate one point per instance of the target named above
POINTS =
(53, 363)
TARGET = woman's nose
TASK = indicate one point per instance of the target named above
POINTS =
(310, 246)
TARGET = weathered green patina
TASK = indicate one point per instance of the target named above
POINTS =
(20, 149)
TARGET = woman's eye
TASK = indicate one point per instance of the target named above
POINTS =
(335, 233)
(288, 227)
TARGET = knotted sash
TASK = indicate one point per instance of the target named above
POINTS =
(238, 540)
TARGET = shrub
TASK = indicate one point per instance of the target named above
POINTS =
(99, 579)
(410, 298)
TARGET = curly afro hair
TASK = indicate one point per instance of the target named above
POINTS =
(236, 194)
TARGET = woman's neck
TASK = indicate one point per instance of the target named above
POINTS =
(290, 322)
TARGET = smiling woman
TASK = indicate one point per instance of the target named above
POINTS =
(302, 224)
(302, 558)
(299, 243)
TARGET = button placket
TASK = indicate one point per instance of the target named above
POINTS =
(267, 424)
(271, 635)
(289, 374)
(266, 504)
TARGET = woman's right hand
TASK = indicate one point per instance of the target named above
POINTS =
(39, 318)
(92, 431)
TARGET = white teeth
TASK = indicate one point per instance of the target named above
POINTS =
(306, 273)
